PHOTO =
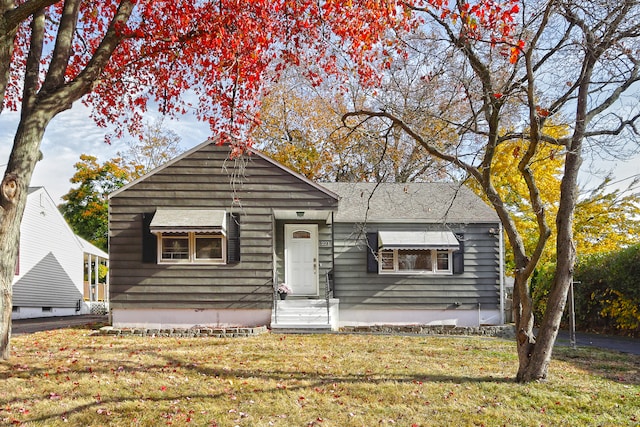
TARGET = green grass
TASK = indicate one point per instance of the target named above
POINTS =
(70, 377)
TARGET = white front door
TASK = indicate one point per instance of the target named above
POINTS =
(301, 258)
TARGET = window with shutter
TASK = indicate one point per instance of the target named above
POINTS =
(194, 245)
(414, 252)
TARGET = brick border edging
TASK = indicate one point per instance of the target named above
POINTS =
(198, 331)
(498, 331)
(501, 331)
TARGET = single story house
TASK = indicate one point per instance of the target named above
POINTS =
(54, 265)
(207, 240)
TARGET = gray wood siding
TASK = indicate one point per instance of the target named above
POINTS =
(479, 284)
(204, 179)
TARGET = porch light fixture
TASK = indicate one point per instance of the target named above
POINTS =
(300, 214)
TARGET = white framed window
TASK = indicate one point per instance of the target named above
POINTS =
(387, 261)
(208, 247)
(443, 261)
(415, 261)
(174, 247)
(191, 247)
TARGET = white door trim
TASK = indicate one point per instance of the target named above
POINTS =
(308, 250)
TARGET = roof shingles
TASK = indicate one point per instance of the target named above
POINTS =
(410, 202)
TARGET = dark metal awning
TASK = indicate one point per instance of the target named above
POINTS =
(417, 240)
(189, 220)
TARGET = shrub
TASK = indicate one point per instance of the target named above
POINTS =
(606, 292)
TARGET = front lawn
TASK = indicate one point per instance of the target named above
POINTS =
(72, 378)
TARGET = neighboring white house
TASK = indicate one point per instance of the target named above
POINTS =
(52, 263)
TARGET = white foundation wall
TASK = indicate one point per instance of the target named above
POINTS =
(462, 318)
(186, 318)
(34, 312)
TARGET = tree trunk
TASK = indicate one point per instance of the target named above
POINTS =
(565, 257)
(38, 108)
(524, 320)
(10, 193)
(13, 199)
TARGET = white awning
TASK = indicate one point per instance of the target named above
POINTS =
(417, 240)
(188, 220)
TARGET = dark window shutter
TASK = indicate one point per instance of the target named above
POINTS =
(458, 256)
(149, 240)
(233, 238)
(372, 252)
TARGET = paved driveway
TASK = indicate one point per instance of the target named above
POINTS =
(28, 326)
(622, 344)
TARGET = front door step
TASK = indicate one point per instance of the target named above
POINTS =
(304, 315)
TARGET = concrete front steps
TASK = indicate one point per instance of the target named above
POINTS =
(304, 315)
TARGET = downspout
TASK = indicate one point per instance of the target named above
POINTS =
(330, 291)
(501, 263)
(333, 250)
(274, 280)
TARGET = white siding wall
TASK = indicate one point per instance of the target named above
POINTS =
(50, 258)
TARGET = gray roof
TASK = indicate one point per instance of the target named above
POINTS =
(433, 202)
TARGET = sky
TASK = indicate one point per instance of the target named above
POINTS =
(73, 133)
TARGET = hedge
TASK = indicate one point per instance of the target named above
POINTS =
(606, 289)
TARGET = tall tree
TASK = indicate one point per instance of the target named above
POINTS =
(85, 207)
(154, 146)
(606, 218)
(575, 62)
(301, 128)
(546, 168)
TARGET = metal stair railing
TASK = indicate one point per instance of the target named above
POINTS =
(275, 296)
(328, 291)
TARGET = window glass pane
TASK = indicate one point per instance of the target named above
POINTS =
(208, 247)
(386, 260)
(414, 259)
(443, 260)
(175, 247)
(301, 235)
